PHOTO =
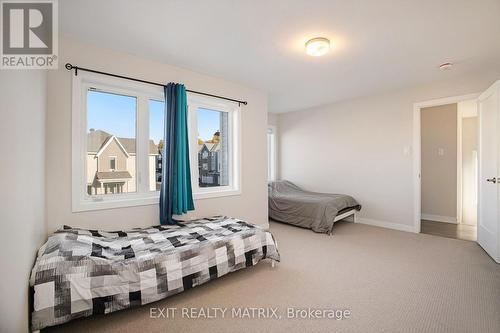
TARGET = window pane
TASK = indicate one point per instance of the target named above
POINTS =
(111, 146)
(213, 150)
(156, 129)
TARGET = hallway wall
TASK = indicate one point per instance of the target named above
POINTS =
(439, 162)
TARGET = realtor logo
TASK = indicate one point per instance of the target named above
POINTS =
(29, 34)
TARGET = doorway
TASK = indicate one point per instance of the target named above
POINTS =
(446, 161)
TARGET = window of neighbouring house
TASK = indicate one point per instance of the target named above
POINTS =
(112, 163)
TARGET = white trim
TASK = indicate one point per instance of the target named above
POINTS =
(274, 153)
(81, 84)
(439, 218)
(118, 201)
(458, 218)
(142, 144)
(417, 149)
(219, 192)
(113, 137)
(387, 225)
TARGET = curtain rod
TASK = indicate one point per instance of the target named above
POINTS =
(76, 68)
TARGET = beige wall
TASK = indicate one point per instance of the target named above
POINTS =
(272, 119)
(439, 161)
(363, 146)
(251, 205)
(469, 170)
(22, 216)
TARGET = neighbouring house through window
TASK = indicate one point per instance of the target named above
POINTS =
(111, 143)
(213, 148)
(156, 129)
(215, 134)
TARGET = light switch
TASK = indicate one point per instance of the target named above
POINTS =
(406, 150)
(440, 151)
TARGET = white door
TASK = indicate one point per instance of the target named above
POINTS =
(488, 226)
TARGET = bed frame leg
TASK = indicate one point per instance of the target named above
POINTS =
(273, 263)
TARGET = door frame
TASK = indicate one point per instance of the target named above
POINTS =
(274, 155)
(417, 154)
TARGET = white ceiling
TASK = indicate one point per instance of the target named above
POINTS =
(379, 45)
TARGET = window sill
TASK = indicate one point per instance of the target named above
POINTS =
(133, 200)
(208, 194)
(118, 201)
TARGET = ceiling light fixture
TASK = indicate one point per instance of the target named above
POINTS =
(317, 46)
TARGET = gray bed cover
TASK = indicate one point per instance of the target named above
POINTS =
(290, 204)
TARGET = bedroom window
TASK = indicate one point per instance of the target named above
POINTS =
(214, 147)
(118, 129)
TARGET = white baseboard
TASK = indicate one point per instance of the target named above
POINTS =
(388, 225)
(438, 218)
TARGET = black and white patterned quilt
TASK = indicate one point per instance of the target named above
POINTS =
(80, 272)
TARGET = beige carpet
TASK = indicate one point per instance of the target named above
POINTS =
(391, 281)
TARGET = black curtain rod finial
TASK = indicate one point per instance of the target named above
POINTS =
(69, 67)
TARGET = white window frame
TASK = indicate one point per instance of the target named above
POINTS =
(81, 201)
(234, 155)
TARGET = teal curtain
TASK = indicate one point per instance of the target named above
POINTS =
(176, 194)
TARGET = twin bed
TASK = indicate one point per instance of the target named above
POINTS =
(79, 273)
(290, 204)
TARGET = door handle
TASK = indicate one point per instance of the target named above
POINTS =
(492, 180)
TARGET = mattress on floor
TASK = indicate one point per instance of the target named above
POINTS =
(290, 204)
(80, 272)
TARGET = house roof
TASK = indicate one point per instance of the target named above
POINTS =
(96, 139)
(108, 142)
(113, 175)
(212, 147)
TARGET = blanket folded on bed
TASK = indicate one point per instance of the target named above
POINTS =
(290, 204)
(82, 272)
